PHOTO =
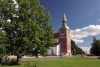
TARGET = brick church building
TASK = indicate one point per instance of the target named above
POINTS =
(62, 40)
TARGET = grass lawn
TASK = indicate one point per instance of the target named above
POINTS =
(64, 62)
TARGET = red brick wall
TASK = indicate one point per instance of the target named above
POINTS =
(65, 41)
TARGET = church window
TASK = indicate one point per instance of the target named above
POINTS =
(62, 34)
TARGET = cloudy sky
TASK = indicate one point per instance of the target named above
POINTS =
(83, 18)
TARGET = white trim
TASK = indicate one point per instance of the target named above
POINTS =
(62, 37)
(65, 37)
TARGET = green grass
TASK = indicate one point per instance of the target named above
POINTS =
(64, 62)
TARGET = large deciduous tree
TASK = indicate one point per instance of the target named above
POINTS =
(27, 27)
(3, 44)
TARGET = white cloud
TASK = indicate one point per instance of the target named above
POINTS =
(98, 19)
(86, 49)
(79, 34)
(78, 41)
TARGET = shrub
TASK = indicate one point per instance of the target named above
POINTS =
(8, 61)
(12, 62)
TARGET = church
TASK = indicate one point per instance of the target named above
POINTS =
(62, 45)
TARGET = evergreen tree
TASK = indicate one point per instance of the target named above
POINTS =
(95, 48)
(94, 40)
(29, 31)
(76, 49)
(73, 47)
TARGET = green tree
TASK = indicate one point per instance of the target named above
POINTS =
(95, 47)
(76, 49)
(94, 40)
(29, 27)
(3, 44)
(73, 47)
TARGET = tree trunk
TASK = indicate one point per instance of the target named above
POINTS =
(0, 60)
(17, 59)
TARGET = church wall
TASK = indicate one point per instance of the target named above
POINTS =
(56, 40)
(64, 39)
(49, 52)
(54, 50)
(58, 49)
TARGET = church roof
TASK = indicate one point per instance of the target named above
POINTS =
(63, 27)
(55, 44)
(56, 35)
(64, 23)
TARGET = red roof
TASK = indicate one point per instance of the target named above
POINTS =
(55, 44)
(56, 35)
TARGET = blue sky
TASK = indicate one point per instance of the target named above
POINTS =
(81, 14)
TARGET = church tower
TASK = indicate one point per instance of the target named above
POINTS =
(64, 38)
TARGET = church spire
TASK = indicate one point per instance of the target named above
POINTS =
(64, 23)
(64, 18)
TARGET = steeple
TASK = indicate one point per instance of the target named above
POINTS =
(64, 23)
(64, 20)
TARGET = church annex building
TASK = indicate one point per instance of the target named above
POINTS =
(62, 43)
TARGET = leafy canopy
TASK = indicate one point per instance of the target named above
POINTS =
(29, 27)
(95, 47)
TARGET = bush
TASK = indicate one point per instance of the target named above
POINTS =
(8, 61)
(12, 62)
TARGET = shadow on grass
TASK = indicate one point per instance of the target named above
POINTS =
(23, 64)
(98, 57)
